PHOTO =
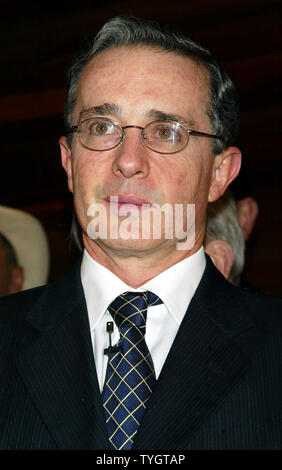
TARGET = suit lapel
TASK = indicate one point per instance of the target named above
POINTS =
(204, 365)
(57, 366)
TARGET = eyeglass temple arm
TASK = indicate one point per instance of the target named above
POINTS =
(203, 134)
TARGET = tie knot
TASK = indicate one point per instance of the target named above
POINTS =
(130, 308)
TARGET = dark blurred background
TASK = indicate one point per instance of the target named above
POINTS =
(38, 40)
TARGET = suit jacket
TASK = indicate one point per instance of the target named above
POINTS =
(220, 387)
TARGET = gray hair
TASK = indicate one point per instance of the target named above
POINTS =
(223, 108)
(12, 258)
(223, 224)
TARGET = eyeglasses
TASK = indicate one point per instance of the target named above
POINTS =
(101, 134)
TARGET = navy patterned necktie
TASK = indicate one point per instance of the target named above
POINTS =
(130, 376)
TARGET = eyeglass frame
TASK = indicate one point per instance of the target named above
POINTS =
(75, 128)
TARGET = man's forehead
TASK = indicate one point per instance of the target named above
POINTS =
(157, 84)
(137, 60)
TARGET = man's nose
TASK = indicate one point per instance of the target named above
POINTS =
(132, 159)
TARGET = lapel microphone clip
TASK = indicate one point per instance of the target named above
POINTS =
(111, 349)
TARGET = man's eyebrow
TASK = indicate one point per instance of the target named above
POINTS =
(155, 114)
(101, 110)
(163, 116)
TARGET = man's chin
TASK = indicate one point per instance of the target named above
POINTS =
(127, 247)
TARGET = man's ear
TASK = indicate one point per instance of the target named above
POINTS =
(16, 279)
(225, 169)
(222, 255)
(247, 210)
(66, 160)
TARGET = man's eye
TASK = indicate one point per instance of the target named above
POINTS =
(165, 133)
(100, 128)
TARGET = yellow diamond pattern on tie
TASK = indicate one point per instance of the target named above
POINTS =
(130, 376)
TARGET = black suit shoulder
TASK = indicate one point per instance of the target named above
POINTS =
(233, 305)
(31, 311)
(13, 312)
(15, 306)
(266, 311)
(251, 319)
(265, 340)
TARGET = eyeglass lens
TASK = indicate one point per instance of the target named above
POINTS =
(160, 136)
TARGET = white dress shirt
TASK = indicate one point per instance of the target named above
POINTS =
(175, 286)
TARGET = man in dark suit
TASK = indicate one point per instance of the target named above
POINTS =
(152, 122)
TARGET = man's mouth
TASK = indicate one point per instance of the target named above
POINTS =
(122, 199)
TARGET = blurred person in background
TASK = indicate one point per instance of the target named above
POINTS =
(246, 205)
(24, 251)
(224, 239)
(11, 274)
(230, 223)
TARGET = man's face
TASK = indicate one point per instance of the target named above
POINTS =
(141, 84)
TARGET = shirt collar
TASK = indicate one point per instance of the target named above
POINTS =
(175, 286)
